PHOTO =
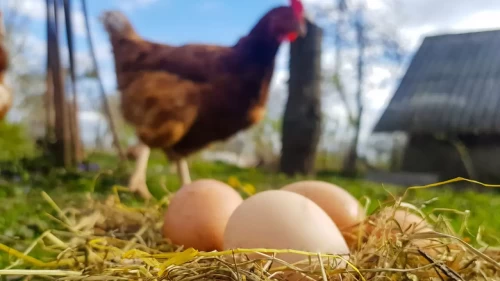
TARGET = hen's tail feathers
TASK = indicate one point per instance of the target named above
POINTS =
(117, 24)
(5, 93)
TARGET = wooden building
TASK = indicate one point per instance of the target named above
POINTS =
(448, 104)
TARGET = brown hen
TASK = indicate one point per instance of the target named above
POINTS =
(5, 92)
(182, 98)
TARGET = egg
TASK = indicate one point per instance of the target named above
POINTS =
(401, 220)
(198, 214)
(278, 219)
(339, 204)
(412, 224)
(387, 224)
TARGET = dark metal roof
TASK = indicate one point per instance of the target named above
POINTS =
(451, 86)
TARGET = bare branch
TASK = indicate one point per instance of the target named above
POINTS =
(337, 79)
(116, 141)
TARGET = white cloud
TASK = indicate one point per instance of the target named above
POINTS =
(442, 13)
(280, 79)
(282, 57)
(26, 53)
(420, 17)
(91, 116)
(79, 22)
(94, 124)
(108, 77)
(479, 20)
(34, 9)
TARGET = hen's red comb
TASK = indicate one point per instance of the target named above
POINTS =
(297, 7)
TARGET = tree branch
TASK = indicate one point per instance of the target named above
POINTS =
(116, 140)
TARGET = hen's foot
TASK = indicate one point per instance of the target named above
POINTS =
(138, 185)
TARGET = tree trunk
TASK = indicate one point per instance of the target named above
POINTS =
(351, 160)
(76, 143)
(62, 134)
(302, 119)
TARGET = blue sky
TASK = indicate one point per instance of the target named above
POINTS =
(218, 21)
(169, 21)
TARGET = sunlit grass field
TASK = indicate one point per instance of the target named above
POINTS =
(25, 214)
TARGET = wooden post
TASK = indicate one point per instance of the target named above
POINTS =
(62, 133)
(302, 120)
(49, 92)
(76, 144)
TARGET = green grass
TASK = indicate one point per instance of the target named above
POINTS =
(13, 142)
(23, 209)
(480, 204)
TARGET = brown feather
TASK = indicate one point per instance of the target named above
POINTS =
(5, 92)
(182, 98)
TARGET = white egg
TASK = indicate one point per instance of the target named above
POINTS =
(278, 219)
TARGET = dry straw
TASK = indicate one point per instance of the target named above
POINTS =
(110, 241)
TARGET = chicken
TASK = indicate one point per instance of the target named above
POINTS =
(5, 92)
(182, 98)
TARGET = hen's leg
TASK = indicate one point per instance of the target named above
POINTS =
(137, 181)
(183, 171)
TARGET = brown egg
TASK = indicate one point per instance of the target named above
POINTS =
(339, 204)
(278, 219)
(198, 214)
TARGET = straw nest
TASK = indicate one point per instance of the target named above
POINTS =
(110, 241)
